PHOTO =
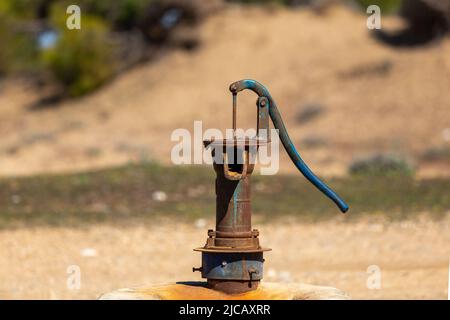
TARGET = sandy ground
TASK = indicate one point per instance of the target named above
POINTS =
(376, 99)
(413, 257)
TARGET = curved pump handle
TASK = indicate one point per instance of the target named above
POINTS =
(275, 115)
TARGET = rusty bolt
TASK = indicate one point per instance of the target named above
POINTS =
(252, 271)
(197, 269)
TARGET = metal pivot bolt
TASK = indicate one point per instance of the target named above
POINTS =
(251, 272)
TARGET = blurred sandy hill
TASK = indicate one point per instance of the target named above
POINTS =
(365, 97)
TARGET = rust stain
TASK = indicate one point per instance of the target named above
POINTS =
(194, 292)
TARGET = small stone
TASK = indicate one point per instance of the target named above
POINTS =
(446, 134)
(88, 252)
(271, 273)
(285, 276)
(15, 199)
(200, 223)
(160, 196)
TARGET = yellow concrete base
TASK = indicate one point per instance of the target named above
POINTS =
(199, 291)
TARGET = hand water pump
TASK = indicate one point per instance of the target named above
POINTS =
(232, 258)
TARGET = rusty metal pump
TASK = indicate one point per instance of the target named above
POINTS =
(232, 258)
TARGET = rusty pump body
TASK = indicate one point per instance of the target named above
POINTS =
(232, 258)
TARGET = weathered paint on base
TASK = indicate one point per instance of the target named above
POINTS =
(199, 291)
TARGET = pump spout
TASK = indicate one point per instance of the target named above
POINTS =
(275, 115)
